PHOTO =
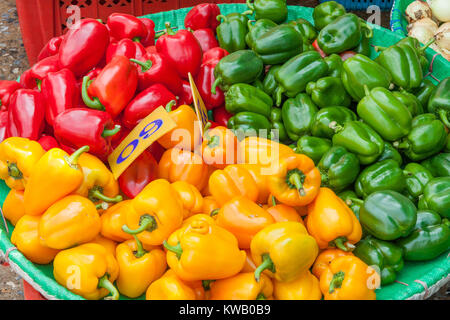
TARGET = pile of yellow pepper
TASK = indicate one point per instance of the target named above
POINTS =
(202, 230)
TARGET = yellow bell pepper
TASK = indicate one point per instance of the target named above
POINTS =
(171, 287)
(157, 213)
(324, 259)
(242, 286)
(98, 182)
(305, 287)
(54, 176)
(263, 152)
(349, 278)
(108, 244)
(26, 238)
(17, 159)
(190, 197)
(138, 266)
(88, 270)
(209, 205)
(201, 250)
(332, 223)
(249, 265)
(14, 206)
(284, 250)
(113, 219)
(70, 221)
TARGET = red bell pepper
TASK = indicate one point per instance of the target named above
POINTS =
(60, 93)
(221, 116)
(156, 150)
(79, 127)
(206, 38)
(51, 48)
(122, 25)
(156, 69)
(48, 142)
(119, 136)
(203, 16)
(204, 81)
(32, 78)
(84, 46)
(7, 88)
(150, 39)
(145, 103)
(182, 50)
(3, 124)
(316, 47)
(151, 49)
(26, 114)
(113, 88)
(347, 54)
(141, 172)
(186, 97)
(127, 48)
(214, 54)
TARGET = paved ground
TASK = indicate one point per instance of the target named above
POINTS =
(13, 62)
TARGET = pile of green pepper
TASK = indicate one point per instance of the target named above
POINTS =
(377, 130)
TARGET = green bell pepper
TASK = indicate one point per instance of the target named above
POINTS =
(327, 12)
(364, 45)
(258, 29)
(360, 70)
(438, 165)
(244, 97)
(383, 175)
(277, 124)
(420, 50)
(387, 256)
(231, 32)
(426, 138)
(275, 10)
(298, 114)
(328, 91)
(417, 177)
(436, 196)
(335, 64)
(330, 115)
(430, 238)
(248, 123)
(306, 29)
(360, 139)
(410, 101)
(242, 66)
(313, 147)
(424, 91)
(338, 168)
(389, 152)
(388, 215)
(447, 145)
(439, 102)
(294, 74)
(384, 113)
(269, 82)
(278, 44)
(344, 33)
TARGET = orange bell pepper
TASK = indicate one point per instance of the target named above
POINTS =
(242, 286)
(201, 250)
(305, 287)
(231, 182)
(272, 201)
(249, 265)
(186, 134)
(349, 278)
(324, 259)
(17, 159)
(108, 244)
(26, 238)
(243, 218)
(70, 221)
(171, 287)
(14, 206)
(209, 205)
(182, 165)
(219, 147)
(113, 219)
(54, 176)
(332, 223)
(190, 197)
(296, 181)
(282, 212)
(263, 152)
(261, 180)
(157, 213)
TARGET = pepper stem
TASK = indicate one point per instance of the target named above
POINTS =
(97, 194)
(260, 296)
(110, 132)
(175, 249)
(137, 39)
(146, 222)
(400, 145)
(444, 118)
(215, 84)
(250, 4)
(73, 158)
(145, 66)
(296, 179)
(206, 284)
(380, 48)
(169, 30)
(102, 205)
(354, 200)
(247, 12)
(279, 95)
(426, 45)
(140, 248)
(335, 126)
(366, 90)
(367, 28)
(341, 243)
(214, 212)
(91, 103)
(274, 201)
(14, 171)
(39, 84)
(104, 282)
(169, 106)
(336, 282)
(220, 17)
(267, 263)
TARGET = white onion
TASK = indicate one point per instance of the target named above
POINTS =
(423, 29)
(442, 36)
(440, 9)
(436, 48)
(417, 10)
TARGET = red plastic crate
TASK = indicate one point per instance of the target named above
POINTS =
(40, 20)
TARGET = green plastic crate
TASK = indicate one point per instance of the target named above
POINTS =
(431, 274)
